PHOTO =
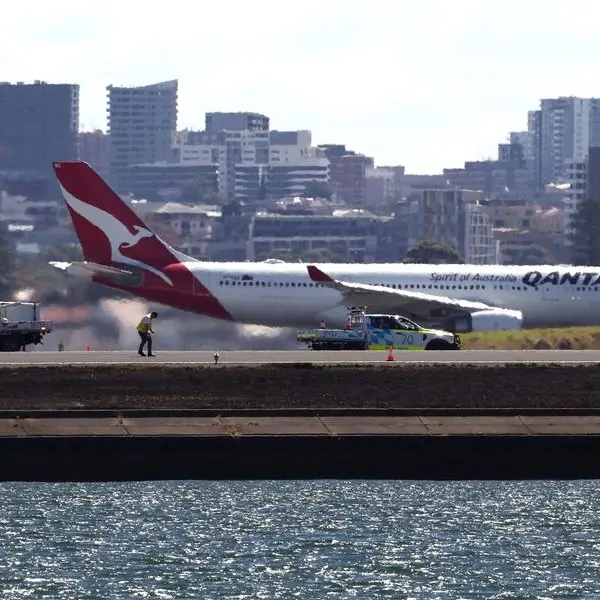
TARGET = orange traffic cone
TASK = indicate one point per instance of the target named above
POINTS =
(390, 355)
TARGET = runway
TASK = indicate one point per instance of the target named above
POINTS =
(236, 357)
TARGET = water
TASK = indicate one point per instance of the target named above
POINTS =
(314, 539)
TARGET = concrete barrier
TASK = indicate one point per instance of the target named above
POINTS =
(401, 444)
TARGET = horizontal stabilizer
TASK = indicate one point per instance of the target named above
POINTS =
(89, 269)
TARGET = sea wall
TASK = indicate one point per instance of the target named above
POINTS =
(301, 386)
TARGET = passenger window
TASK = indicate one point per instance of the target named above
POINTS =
(382, 323)
(404, 324)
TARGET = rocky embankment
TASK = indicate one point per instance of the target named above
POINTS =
(301, 386)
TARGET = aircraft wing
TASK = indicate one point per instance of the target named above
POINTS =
(390, 299)
(89, 269)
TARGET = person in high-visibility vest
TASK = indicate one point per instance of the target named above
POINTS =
(145, 328)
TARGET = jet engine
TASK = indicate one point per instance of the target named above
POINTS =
(493, 319)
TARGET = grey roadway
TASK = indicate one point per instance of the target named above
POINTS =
(237, 357)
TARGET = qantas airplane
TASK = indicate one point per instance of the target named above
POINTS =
(121, 252)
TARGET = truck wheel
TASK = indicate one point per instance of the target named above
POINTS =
(439, 345)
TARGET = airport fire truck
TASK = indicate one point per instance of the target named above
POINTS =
(20, 325)
(366, 331)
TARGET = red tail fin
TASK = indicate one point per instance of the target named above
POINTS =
(109, 231)
(112, 234)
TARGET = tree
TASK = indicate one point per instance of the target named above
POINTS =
(7, 268)
(585, 233)
(432, 252)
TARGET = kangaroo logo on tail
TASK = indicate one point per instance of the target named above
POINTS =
(117, 234)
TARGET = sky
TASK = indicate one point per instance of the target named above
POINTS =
(427, 84)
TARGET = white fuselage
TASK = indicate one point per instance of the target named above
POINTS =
(283, 295)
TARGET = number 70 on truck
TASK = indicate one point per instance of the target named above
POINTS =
(366, 331)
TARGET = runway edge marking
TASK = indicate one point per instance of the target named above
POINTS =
(265, 363)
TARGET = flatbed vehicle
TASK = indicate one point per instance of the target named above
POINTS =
(21, 326)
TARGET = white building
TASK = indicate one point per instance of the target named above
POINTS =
(568, 127)
(141, 123)
(255, 164)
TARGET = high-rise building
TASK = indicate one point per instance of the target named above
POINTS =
(141, 123)
(534, 129)
(567, 129)
(348, 172)
(39, 123)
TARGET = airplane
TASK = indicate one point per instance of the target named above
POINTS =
(120, 251)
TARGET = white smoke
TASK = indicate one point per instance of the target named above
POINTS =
(111, 325)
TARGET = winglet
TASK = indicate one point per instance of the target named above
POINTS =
(318, 275)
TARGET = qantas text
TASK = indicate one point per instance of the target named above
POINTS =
(535, 278)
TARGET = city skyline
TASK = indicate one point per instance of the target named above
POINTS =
(427, 86)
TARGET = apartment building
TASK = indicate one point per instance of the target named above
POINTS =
(563, 129)
(347, 173)
(348, 233)
(519, 224)
(165, 180)
(452, 217)
(141, 122)
(39, 123)
(255, 165)
(492, 176)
